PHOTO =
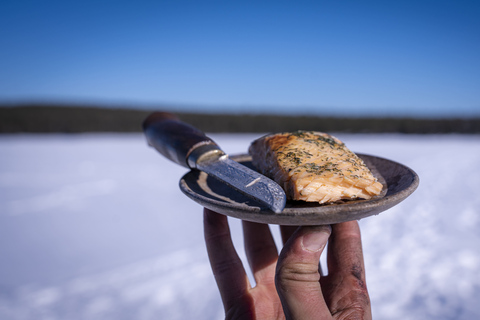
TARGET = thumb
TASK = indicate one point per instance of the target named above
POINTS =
(297, 277)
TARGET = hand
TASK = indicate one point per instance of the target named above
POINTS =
(289, 286)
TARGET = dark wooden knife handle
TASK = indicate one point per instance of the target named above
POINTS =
(173, 138)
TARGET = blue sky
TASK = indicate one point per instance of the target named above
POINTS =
(416, 58)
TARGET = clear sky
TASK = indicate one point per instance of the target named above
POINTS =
(411, 57)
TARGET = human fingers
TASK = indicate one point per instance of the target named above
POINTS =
(227, 267)
(286, 232)
(345, 287)
(345, 253)
(297, 276)
(261, 251)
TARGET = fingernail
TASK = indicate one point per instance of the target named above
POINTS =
(316, 240)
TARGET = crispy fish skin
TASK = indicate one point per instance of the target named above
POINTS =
(313, 166)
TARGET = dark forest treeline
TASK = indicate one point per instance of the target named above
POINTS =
(68, 119)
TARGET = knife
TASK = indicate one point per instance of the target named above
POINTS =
(191, 148)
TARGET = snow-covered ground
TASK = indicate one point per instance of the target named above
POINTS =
(94, 226)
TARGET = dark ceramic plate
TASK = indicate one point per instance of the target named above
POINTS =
(398, 182)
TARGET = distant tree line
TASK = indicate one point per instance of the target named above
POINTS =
(77, 119)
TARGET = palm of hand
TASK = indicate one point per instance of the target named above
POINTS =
(260, 302)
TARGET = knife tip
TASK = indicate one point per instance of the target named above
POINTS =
(278, 206)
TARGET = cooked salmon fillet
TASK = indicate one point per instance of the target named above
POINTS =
(313, 166)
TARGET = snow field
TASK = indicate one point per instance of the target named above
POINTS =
(94, 226)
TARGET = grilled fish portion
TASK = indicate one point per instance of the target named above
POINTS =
(313, 166)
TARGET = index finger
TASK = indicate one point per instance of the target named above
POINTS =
(345, 253)
(345, 285)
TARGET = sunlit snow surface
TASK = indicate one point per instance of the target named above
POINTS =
(95, 227)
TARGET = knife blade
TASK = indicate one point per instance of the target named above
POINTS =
(191, 148)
